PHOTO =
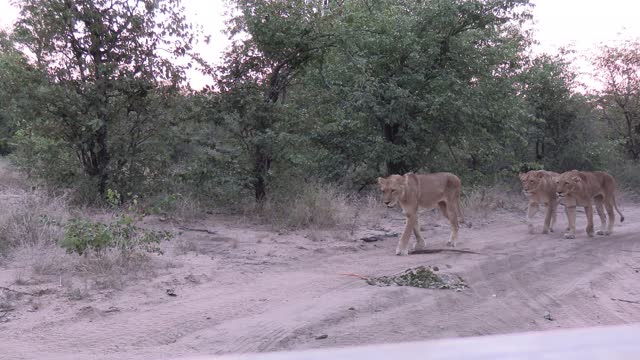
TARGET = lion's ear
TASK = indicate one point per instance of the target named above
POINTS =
(521, 175)
(540, 174)
(576, 178)
(382, 181)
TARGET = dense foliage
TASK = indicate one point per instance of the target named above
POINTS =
(92, 96)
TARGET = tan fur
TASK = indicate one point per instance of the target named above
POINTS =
(539, 187)
(586, 188)
(428, 191)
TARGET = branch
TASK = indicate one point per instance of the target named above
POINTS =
(16, 291)
(627, 301)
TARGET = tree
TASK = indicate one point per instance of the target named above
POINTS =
(422, 84)
(283, 38)
(619, 71)
(13, 68)
(108, 63)
(548, 84)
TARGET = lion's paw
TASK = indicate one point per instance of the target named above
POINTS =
(569, 236)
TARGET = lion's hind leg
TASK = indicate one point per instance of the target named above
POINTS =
(451, 213)
(603, 219)
(612, 216)
(403, 244)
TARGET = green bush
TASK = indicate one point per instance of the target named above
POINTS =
(87, 237)
(82, 236)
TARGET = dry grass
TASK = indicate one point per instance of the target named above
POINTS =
(310, 205)
(480, 202)
(176, 206)
(321, 207)
(32, 223)
(10, 180)
(188, 209)
(368, 210)
(33, 219)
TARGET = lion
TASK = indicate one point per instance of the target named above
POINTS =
(584, 188)
(427, 191)
(540, 188)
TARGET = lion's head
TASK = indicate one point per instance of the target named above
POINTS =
(393, 189)
(568, 183)
(532, 181)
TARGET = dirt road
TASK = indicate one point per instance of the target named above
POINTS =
(247, 289)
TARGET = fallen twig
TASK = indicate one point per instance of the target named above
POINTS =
(435, 251)
(198, 230)
(627, 301)
(355, 275)
(380, 237)
(16, 291)
(4, 313)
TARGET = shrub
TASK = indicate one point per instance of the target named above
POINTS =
(88, 237)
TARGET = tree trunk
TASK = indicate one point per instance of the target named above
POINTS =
(539, 150)
(102, 159)
(390, 132)
(261, 166)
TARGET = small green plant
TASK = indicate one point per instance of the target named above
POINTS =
(88, 237)
(82, 236)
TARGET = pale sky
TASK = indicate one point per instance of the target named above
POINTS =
(582, 24)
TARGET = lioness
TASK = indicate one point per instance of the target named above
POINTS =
(427, 191)
(540, 188)
(583, 188)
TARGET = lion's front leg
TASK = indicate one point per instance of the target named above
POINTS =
(420, 243)
(549, 217)
(531, 212)
(403, 244)
(571, 218)
(553, 206)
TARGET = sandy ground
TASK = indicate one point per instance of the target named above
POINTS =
(247, 288)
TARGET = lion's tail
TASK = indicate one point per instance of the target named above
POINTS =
(615, 205)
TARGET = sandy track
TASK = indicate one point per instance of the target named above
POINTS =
(254, 290)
